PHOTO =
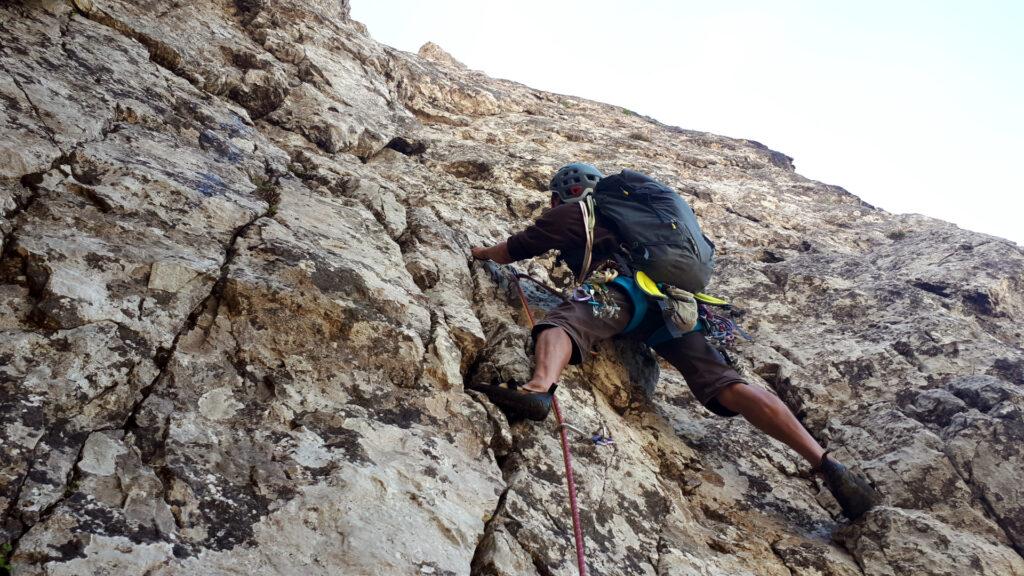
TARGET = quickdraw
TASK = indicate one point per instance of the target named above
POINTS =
(596, 293)
(598, 438)
(720, 328)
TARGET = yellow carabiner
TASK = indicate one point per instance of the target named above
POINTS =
(650, 287)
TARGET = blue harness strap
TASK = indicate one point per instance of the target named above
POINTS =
(640, 306)
(639, 299)
(662, 335)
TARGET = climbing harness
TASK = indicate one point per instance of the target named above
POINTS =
(581, 560)
(718, 327)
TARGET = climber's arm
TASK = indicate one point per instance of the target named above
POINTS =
(557, 229)
(498, 253)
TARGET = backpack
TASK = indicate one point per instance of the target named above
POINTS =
(658, 229)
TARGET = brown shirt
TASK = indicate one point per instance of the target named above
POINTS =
(561, 228)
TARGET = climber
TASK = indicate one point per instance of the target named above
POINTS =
(566, 334)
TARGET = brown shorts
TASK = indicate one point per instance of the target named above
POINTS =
(704, 369)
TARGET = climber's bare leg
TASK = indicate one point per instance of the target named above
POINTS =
(552, 353)
(765, 411)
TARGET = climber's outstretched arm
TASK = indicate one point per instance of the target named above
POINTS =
(498, 253)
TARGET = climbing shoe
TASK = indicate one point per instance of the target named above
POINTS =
(531, 405)
(854, 494)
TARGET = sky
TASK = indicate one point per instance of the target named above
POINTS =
(914, 106)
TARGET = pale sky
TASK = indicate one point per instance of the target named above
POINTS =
(914, 106)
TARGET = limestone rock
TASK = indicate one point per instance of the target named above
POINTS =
(238, 315)
(435, 53)
(897, 541)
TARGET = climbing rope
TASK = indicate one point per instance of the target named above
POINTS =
(581, 560)
(524, 276)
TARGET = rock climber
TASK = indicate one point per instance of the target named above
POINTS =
(567, 333)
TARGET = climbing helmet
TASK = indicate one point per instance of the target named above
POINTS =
(573, 182)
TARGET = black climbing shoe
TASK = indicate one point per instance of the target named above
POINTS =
(532, 405)
(854, 494)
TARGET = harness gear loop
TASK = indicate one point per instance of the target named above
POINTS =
(637, 297)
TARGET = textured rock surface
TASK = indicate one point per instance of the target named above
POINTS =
(238, 315)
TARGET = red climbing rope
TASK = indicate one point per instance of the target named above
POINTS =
(581, 560)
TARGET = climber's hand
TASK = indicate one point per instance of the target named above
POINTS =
(498, 253)
(479, 252)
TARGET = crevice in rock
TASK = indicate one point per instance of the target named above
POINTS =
(44, 515)
(856, 559)
(933, 288)
(511, 208)
(494, 442)
(655, 561)
(436, 317)
(211, 302)
(782, 386)
(407, 146)
(476, 563)
(31, 183)
(741, 215)
(39, 115)
(540, 566)
(17, 269)
(90, 194)
(771, 257)
(166, 476)
(608, 464)
(11, 509)
(161, 54)
(269, 191)
(162, 360)
(20, 269)
(987, 507)
(980, 303)
(775, 550)
(506, 457)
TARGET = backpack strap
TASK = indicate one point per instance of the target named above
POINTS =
(589, 221)
(666, 317)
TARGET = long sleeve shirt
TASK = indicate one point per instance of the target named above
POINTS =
(561, 228)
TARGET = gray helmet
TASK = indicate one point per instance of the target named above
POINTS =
(573, 182)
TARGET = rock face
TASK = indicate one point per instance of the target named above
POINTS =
(238, 315)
